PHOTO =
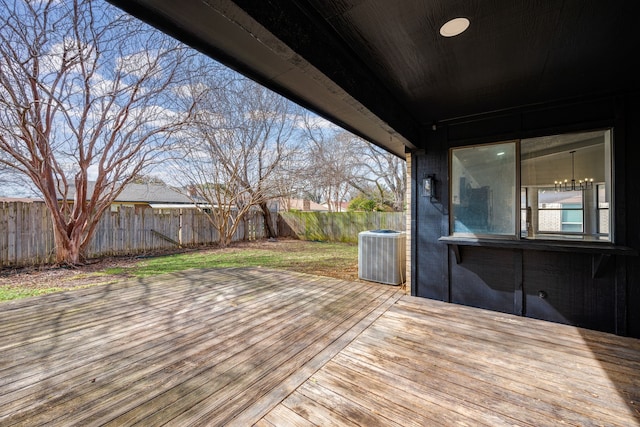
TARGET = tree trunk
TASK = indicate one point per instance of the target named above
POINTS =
(268, 223)
(67, 249)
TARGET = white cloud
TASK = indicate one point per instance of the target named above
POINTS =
(101, 86)
(191, 91)
(315, 122)
(138, 64)
(92, 172)
(65, 53)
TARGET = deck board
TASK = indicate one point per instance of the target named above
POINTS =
(459, 365)
(262, 347)
(163, 346)
(183, 348)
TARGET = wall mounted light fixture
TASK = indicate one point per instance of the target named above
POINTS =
(429, 187)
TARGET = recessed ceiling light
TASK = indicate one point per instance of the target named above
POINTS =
(454, 27)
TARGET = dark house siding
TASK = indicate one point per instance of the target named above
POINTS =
(549, 285)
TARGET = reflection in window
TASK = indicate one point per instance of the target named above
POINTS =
(525, 214)
(560, 211)
(565, 188)
(568, 182)
(483, 189)
(603, 209)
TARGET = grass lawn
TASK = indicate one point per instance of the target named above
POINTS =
(339, 260)
(307, 257)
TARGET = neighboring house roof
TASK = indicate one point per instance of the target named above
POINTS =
(151, 193)
(19, 199)
(144, 193)
(182, 205)
(337, 207)
(304, 205)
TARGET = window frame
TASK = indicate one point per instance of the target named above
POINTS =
(516, 205)
(521, 231)
(562, 211)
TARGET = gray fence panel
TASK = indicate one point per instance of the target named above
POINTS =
(27, 238)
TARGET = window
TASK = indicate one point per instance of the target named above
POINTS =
(560, 212)
(603, 209)
(483, 189)
(565, 186)
(568, 182)
(525, 213)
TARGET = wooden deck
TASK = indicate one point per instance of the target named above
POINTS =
(257, 346)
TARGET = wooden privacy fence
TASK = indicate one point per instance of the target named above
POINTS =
(26, 232)
(337, 226)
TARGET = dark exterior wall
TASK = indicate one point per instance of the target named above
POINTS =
(559, 287)
(550, 285)
(430, 218)
(628, 297)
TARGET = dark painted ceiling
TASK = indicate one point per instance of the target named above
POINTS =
(381, 69)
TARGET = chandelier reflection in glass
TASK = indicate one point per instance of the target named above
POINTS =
(572, 185)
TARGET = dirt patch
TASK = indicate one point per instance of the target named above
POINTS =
(45, 277)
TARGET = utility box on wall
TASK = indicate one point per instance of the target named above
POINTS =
(381, 256)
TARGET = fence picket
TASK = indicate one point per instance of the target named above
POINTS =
(27, 238)
(26, 231)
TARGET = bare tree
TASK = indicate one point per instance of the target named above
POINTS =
(243, 134)
(333, 160)
(84, 90)
(344, 164)
(382, 176)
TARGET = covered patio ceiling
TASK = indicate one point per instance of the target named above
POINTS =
(381, 69)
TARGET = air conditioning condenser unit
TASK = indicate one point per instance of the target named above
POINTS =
(381, 256)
